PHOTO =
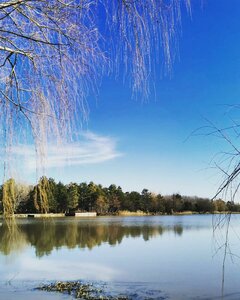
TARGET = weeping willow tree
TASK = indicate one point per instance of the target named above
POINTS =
(53, 54)
(9, 197)
(41, 195)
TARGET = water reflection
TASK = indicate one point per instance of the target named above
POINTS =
(11, 237)
(171, 254)
(46, 235)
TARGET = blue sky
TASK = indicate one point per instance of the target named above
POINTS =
(145, 145)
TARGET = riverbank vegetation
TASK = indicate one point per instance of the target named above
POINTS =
(49, 196)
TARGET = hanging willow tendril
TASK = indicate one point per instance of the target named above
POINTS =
(53, 55)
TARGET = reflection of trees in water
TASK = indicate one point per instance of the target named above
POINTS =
(178, 229)
(11, 237)
(46, 235)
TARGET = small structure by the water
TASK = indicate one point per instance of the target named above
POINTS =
(81, 214)
(48, 215)
(85, 214)
(55, 215)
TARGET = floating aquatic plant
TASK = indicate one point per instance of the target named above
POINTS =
(80, 290)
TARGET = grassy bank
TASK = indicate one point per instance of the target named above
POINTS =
(133, 213)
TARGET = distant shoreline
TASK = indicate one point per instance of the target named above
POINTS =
(120, 214)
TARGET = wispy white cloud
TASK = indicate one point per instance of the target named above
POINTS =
(90, 149)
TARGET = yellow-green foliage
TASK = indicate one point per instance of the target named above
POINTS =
(9, 198)
(41, 195)
(11, 238)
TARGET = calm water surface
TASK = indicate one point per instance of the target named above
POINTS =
(159, 257)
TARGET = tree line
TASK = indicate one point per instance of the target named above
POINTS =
(48, 196)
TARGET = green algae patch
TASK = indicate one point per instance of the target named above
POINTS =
(80, 290)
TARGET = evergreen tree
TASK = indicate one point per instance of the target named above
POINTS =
(72, 198)
(61, 196)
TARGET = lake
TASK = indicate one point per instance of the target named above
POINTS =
(152, 257)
